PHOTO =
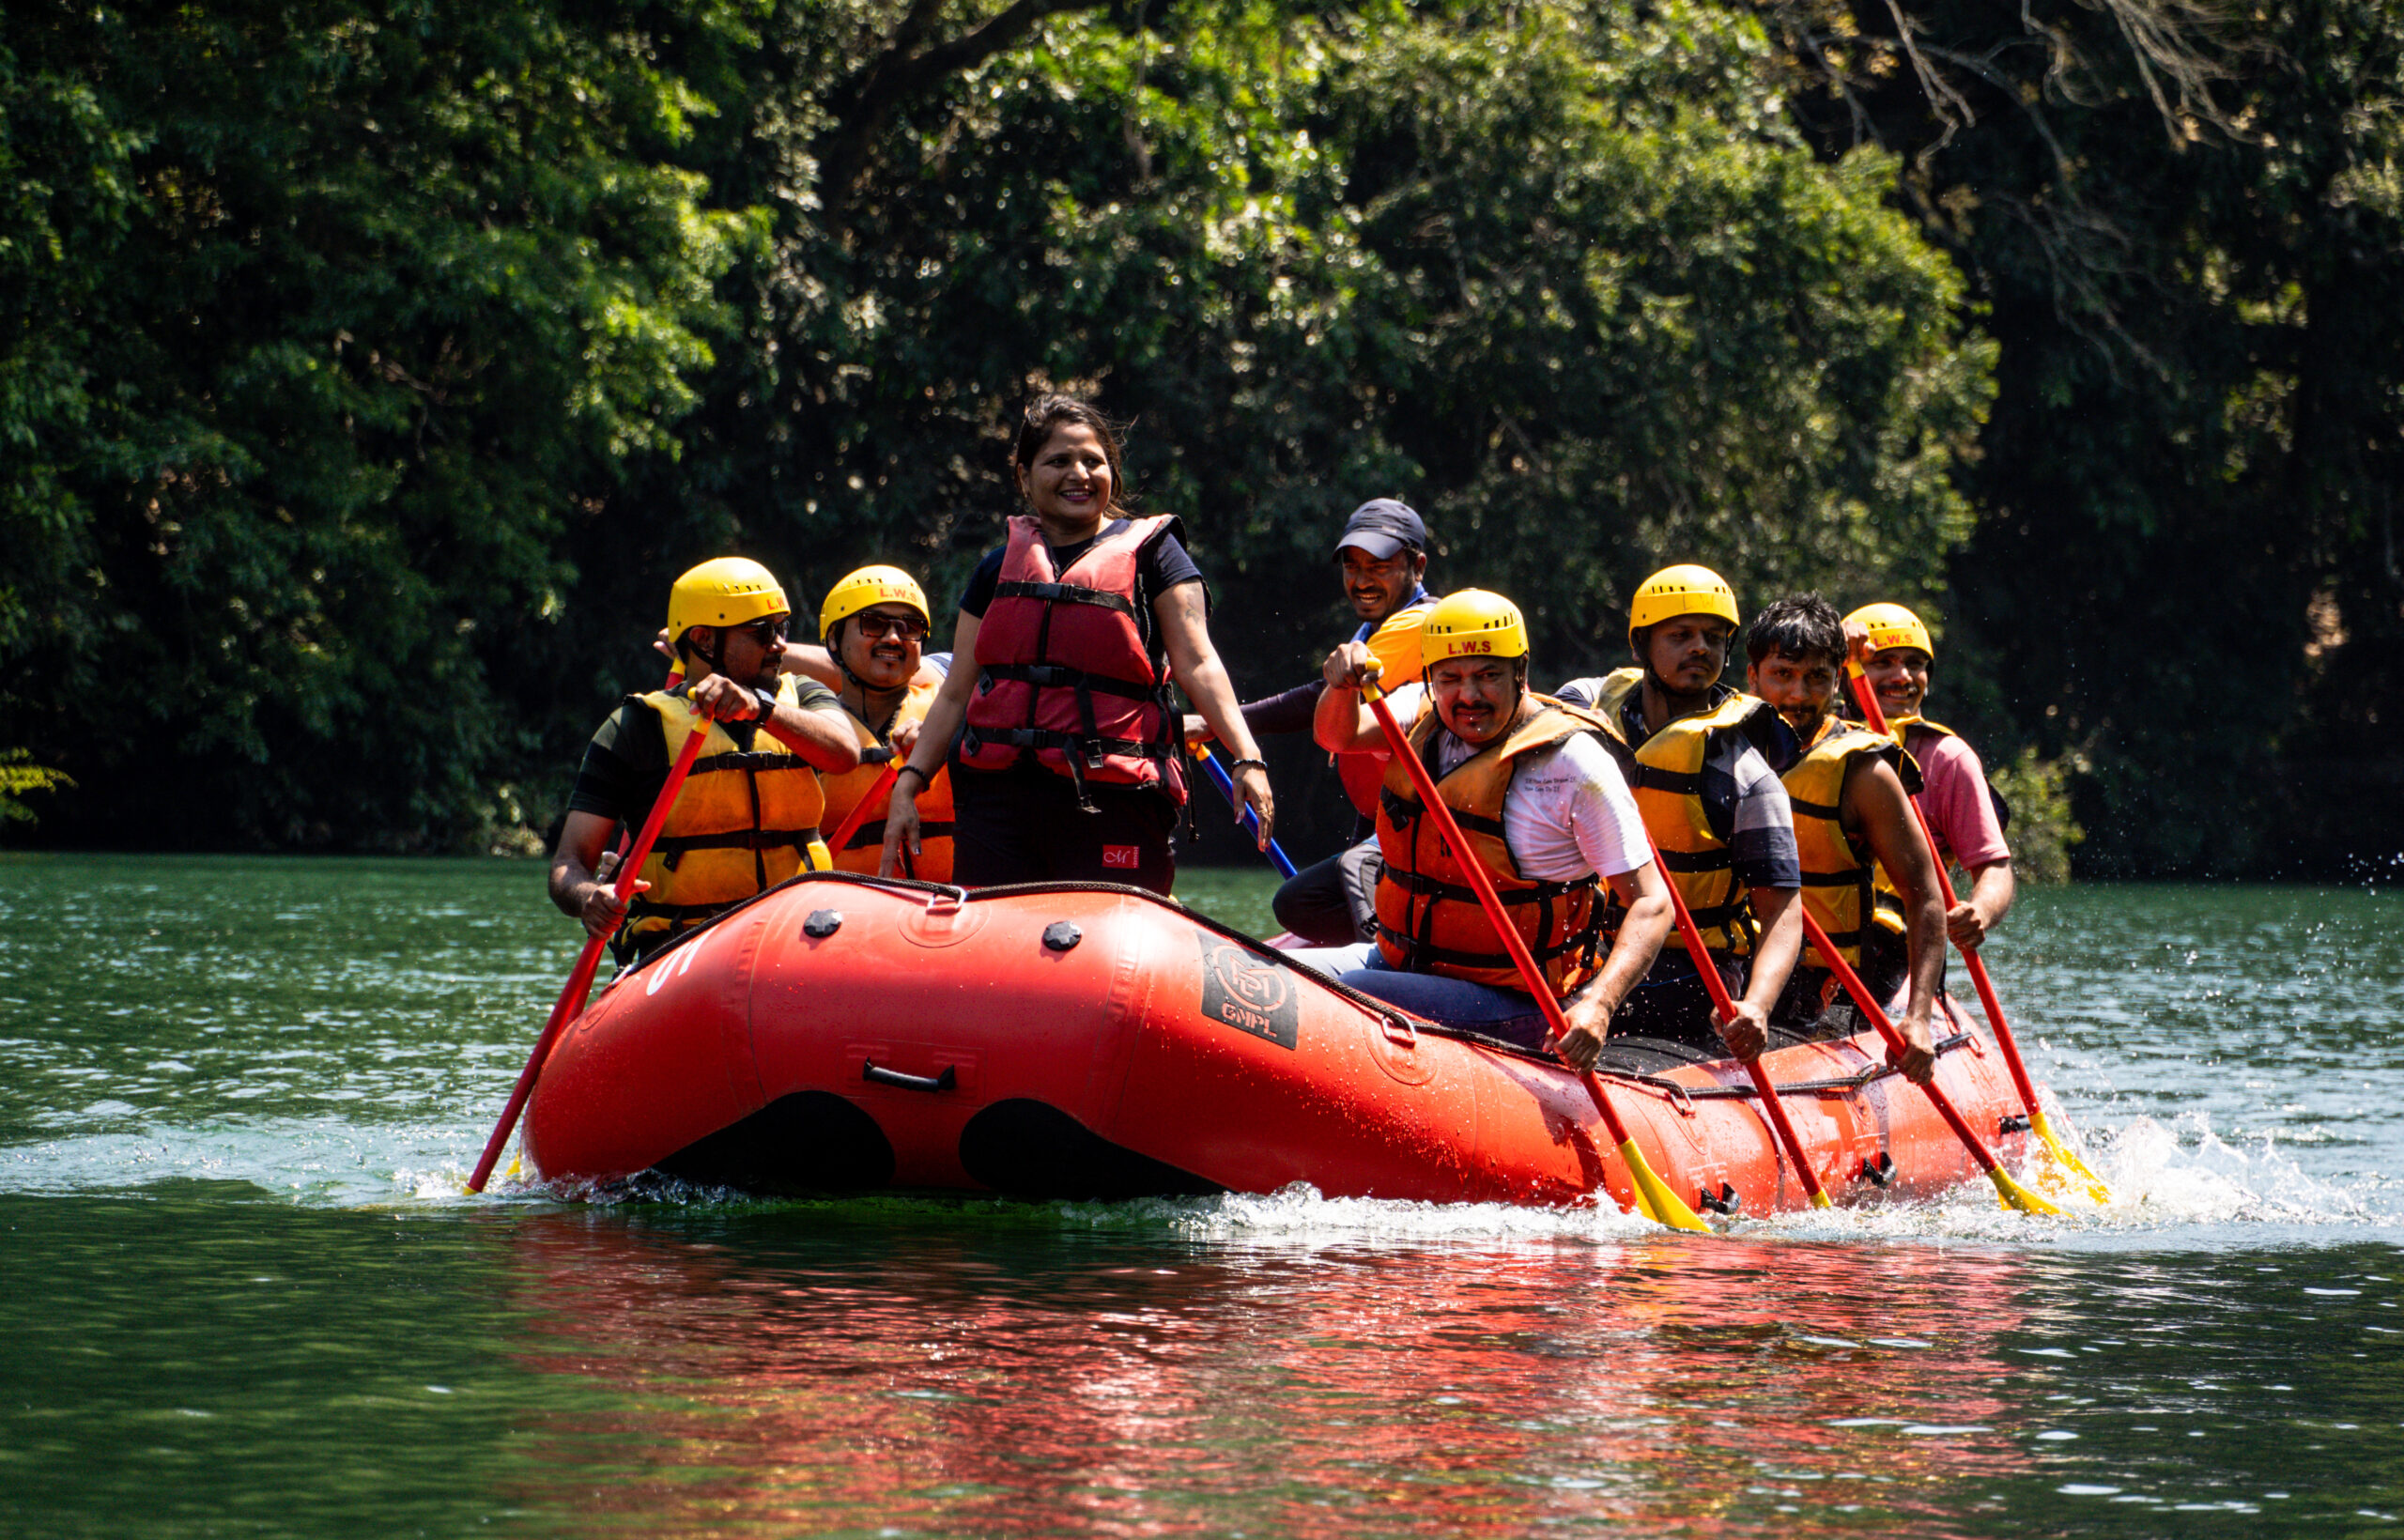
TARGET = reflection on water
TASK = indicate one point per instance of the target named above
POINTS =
(242, 1292)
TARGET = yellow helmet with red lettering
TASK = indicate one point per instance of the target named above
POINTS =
(871, 586)
(729, 591)
(1472, 624)
(1892, 625)
(1673, 592)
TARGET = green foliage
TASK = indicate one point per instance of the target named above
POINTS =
(20, 776)
(2043, 830)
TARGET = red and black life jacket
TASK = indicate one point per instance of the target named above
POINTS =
(1063, 668)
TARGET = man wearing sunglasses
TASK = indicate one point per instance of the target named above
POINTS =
(747, 816)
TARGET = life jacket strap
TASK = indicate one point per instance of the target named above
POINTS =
(1064, 593)
(1060, 675)
(674, 845)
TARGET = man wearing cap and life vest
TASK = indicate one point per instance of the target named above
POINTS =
(1851, 793)
(748, 815)
(1699, 755)
(871, 627)
(1381, 560)
(1543, 805)
(1965, 811)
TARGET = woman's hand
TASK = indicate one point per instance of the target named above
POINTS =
(900, 824)
(1251, 791)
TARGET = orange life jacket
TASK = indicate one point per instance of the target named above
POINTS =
(1396, 645)
(1838, 870)
(865, 851)
(1429, 916)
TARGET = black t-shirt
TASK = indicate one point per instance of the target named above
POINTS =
(626, 764)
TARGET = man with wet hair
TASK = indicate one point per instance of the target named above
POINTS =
(1850, 792)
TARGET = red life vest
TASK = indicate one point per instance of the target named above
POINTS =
(1062, 668)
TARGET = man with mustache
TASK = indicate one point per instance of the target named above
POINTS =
(1699, 755)
(1540, 802)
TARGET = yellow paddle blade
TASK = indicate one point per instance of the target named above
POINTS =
(1653, 1199)
(2067, 1162)
(2016, 1196)
(1820, 1200)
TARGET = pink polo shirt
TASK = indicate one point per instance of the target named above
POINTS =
(1959, 809)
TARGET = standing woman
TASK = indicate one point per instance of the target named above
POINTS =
(1067, 760)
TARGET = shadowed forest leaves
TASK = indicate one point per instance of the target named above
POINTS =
(367, 370)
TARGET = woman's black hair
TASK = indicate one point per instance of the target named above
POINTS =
(1046, 413)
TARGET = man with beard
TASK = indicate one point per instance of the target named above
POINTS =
(1851, 793)
(1699, 755)
(746, 817)
(1540, 802)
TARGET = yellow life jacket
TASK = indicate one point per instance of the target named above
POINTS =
(1665, 772)
(1838, 870)
(865, 851)
(745, 821)
(1429, 916)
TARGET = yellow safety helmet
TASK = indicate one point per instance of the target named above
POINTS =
(1681, 591)
(871, 586)
(1472, 624)
(1891, 625)
(729, 591)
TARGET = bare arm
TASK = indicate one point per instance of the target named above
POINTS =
(1992, 890)
(580, 872)
(1782, 941)
(945, 714)
(1342, 723)
(1646, 925)
(1875, 801)
(1185, 633)
(811, 661)
(823, 739)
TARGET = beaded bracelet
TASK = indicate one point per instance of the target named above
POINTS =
(1234, 766)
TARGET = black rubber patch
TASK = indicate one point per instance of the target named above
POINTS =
(1062, 934)
(809, 1141)
(821, 923)
(1251, 995)
(1031, 1149)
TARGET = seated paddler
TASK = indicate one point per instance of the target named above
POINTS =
(1700, 756)
(748, 815)
(1851, 791)
(871, 630)
(1964, 810)
(1543, 807)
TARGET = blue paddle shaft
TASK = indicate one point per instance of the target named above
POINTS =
(1227, 785)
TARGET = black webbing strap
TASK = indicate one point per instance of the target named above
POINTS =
(1059, 675)
(1723, 859)
(674, 845)
(1064, 593)
(870, 835)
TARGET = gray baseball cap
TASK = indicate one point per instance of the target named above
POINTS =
(1381, 526)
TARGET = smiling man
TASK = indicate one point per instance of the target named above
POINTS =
(748, 815)
(1695, 751)
(1542, 805)
(1382, 561)
(1851, 793)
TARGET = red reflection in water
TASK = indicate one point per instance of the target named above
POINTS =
(950, 1384)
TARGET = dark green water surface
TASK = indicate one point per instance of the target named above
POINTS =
(242, 1293)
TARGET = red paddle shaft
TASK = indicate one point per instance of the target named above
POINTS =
(1870, 1007)
(1727, 1009)
(571, 1001)
(1867, 699)
(842, 836)
(1432, 802)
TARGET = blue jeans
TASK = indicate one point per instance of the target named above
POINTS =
(1501, 1013)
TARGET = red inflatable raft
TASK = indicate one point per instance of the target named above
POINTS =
(843, 1032)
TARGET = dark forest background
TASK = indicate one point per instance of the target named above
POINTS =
(369, 367)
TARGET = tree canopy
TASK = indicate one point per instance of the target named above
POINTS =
(367, 369)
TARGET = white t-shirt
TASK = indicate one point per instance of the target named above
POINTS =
(1568, 812)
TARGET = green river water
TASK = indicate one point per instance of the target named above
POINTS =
(242, 1292)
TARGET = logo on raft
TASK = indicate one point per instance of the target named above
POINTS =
(1247, 994)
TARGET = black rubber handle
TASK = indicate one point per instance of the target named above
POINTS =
(943, 1082)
